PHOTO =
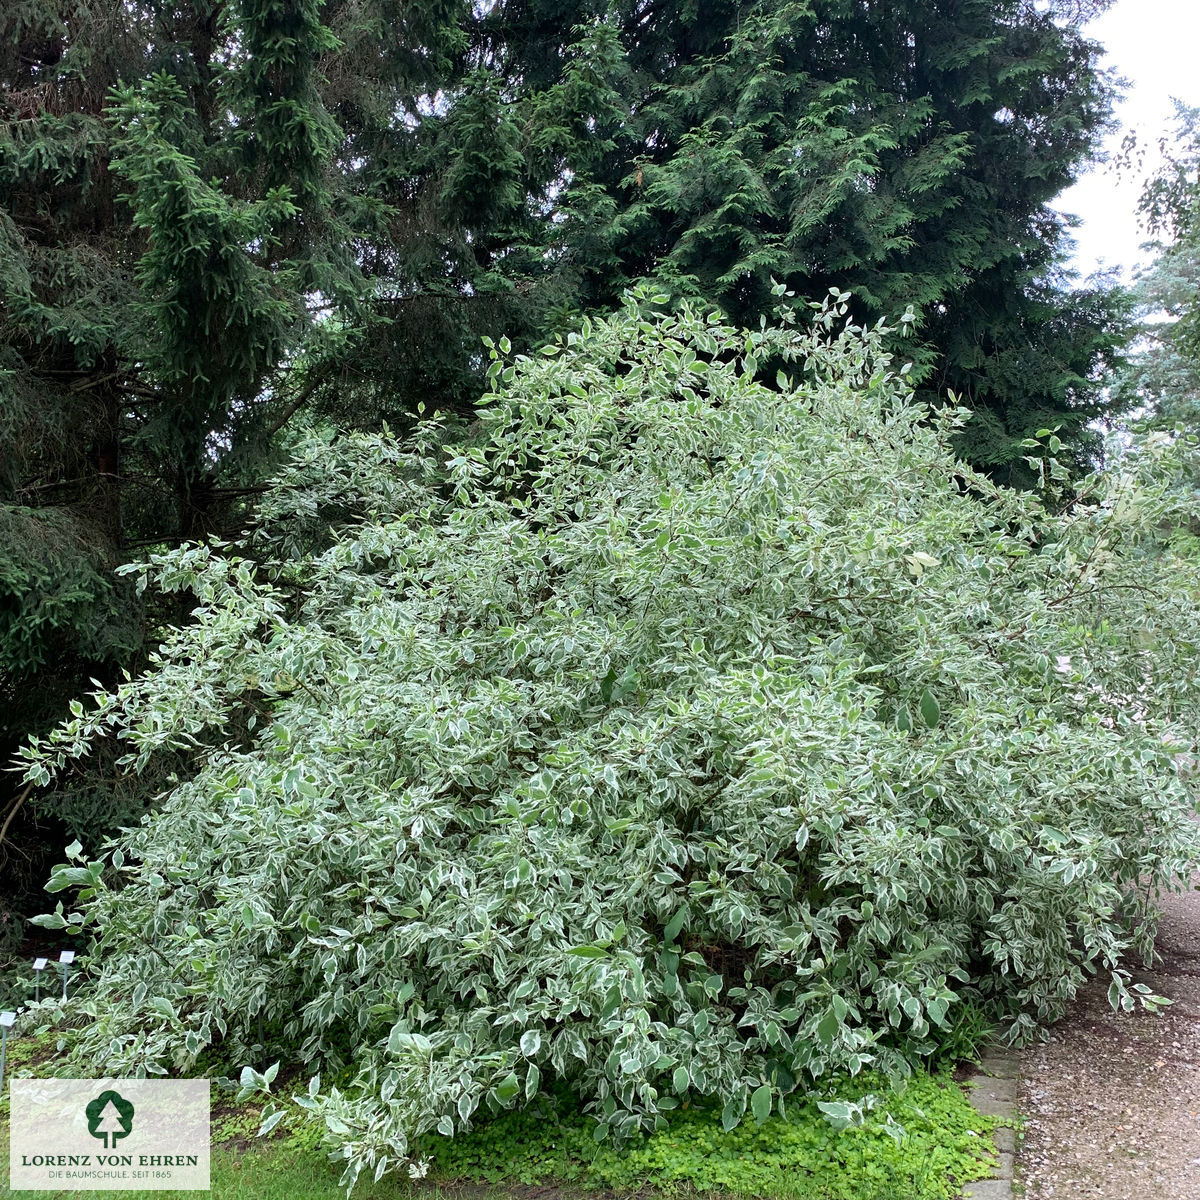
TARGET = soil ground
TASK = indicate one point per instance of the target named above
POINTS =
(1112, 1101)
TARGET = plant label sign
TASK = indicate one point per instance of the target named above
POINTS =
(109, 1135)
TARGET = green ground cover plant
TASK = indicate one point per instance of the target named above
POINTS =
(929, 1144)
(944, 1143)
(701, 732)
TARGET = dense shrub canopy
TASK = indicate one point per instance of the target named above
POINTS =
(223, 219)
(703, 727)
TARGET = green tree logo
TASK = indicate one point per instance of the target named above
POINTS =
(109, 1116)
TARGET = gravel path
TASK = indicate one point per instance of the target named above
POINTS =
(1112, 1101)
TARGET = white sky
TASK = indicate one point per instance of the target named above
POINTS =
(1154, 45)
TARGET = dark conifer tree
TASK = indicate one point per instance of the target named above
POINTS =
(168, 207)
(908, 151)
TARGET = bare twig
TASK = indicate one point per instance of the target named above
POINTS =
(13, 810)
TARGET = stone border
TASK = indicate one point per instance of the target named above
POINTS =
(993, 1092)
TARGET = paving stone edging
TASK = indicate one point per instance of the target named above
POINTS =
(993, 1092)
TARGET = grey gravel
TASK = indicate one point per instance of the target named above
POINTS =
(1112, 1101)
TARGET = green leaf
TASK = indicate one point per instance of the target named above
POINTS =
(53, 920)
(839, 1112)
(627, 683)
(65, 877)
(827, 1029)
(931, 711)
(675, 924)
(271, 1121)
(401, 1039)
(760, 1103)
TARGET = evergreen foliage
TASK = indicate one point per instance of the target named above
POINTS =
(702, 730)
(540, 157)
(1163, 378)
(908, 152)
(166, 213)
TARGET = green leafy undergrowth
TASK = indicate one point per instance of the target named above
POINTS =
(31, 1050)
(33, 1054)
(258, 1172)
(944, 1144)
(972, 1027)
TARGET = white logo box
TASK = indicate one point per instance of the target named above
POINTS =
(107, 1135)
